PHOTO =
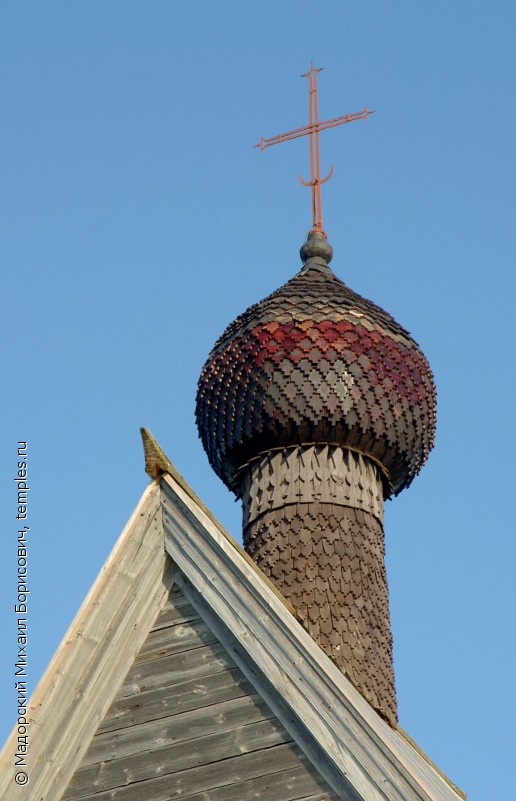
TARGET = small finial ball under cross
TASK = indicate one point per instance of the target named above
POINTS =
(316, 246)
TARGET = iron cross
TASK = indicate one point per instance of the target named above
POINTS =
(312, 130)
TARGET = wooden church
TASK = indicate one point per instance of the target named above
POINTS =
(200, 670)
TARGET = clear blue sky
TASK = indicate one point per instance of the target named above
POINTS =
(137, 221)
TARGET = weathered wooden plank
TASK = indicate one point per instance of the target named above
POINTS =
(176, 758)
(174, 668)
(103, 683)
(182, 697)
(97, 650)
(321, 797)
(207, 777)
(293, 784)
(173, 639)
(219, 717)
(176, 610)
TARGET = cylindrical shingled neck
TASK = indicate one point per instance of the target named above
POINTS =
(313, 522)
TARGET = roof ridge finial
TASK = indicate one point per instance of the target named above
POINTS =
(312, 130)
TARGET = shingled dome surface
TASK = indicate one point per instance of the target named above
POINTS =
(316, 362)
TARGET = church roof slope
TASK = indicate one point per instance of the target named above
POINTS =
(93, 657)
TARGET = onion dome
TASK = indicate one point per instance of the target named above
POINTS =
(314, 362)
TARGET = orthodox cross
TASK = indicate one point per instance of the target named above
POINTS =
(312, 130)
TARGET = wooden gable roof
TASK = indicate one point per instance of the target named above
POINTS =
(187, 723)
(121, 656)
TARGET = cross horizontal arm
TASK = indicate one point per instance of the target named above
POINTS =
(304, 130)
